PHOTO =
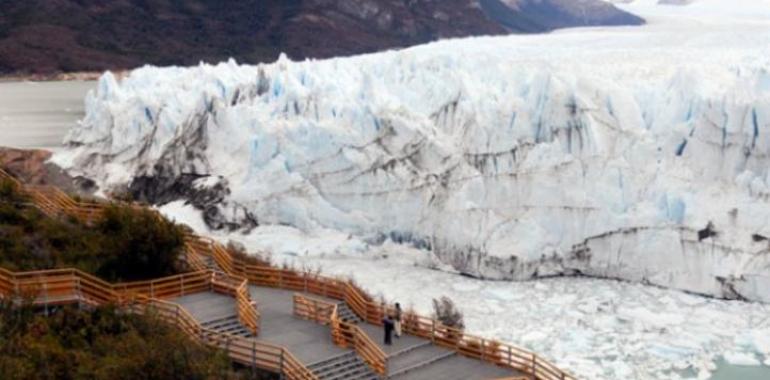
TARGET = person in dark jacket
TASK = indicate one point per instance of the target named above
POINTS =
(388, 324)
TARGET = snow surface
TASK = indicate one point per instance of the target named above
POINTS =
(600, 151)
(597, 329)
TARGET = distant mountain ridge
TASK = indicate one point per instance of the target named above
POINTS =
(48, 36)
(540, 15)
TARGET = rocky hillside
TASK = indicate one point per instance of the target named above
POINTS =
(46, 36)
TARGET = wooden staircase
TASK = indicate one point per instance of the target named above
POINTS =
(418, 356)
(70, 286)
(347, 366)
(229, 325)
(347, 315)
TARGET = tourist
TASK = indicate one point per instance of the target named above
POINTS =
(387, 323)
(397, 322)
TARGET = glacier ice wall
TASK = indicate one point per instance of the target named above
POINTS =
(621, 154)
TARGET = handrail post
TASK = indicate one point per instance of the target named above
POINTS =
(181, 280)
(45, 296)
(280, 362)
(78, 292)
(433, 330)
(534, 366)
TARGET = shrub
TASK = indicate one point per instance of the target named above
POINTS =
(126, 244)
(139, 244)
(101, 344)
(445, 311)
(9, 192)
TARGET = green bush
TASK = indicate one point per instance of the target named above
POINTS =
(101, 344)
(127, 244)
(139, 244)
(9, 192)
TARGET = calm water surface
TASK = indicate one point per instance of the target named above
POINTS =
(38, 114)
(727, 371)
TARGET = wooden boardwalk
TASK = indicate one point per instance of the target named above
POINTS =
(308, 341)
(301, 325)
(410, 358)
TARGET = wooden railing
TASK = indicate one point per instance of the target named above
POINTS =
(188, 283)
(7, 177)
(6, 282)
(352, 336)
(168, 287)
(487, 350)
(346, 335)
(52, 287)
(246, 308)
(71, 286)
(365, 307)
(334, 324)
(193, 258)
(238, 288)
(54, 203)
(249, 352)
(49, 286)
(322, 312)
(209, 248)
(359, 301)
(293, 280)
(55, 287)
(313, 309)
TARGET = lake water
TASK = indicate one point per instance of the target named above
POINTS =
(38, 114)
(727, 371)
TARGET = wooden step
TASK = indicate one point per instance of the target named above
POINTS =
(347, 366)
(416, 358)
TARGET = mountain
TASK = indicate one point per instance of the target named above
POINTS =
(539, 15)
(607, 152)
(44, 36)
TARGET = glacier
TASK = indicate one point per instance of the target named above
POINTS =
(633, 153)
